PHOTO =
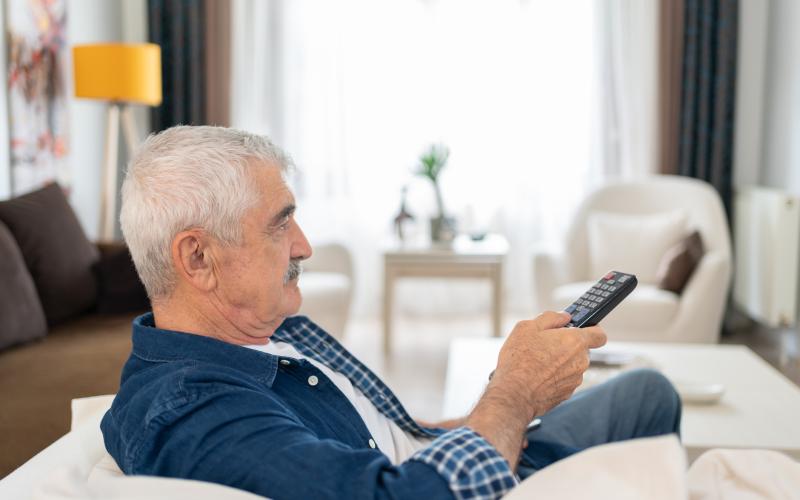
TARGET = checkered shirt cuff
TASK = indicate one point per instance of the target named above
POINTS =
(472, 467)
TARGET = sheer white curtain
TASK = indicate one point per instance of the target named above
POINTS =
(627, 43)
(355, 89)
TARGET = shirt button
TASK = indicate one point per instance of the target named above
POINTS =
(313, 380)
(286, 362)
(372, 443)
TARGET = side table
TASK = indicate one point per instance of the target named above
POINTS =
(463, 259)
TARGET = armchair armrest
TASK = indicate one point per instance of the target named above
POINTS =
(331, 258)
(703, 300)
(549, 270)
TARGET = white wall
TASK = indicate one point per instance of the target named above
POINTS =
(767, 142)
(767, 149)
(752, 47)
(781, 139)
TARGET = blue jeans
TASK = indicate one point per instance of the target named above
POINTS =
(635, 404)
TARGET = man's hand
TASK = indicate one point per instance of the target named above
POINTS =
(543, 362)
(540, 365)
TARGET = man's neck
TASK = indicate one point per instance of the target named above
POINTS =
(187, 317)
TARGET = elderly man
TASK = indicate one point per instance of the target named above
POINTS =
(224, 385)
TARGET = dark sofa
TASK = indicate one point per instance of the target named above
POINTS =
(66, 307)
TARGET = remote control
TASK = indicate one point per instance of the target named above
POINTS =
(601, 299)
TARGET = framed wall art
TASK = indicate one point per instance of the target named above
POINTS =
(37, 85)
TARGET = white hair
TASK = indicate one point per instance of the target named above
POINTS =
(189, 177)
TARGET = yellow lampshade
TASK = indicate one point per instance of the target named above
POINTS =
(118, 72)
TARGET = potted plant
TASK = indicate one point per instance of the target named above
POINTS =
(431, 164)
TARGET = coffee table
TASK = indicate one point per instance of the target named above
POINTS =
(464, 258)
(759, 409)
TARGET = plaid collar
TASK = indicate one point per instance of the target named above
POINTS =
(312, 341)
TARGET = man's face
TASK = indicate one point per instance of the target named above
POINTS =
(258, 279)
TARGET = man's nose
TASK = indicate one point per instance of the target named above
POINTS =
(301, 248)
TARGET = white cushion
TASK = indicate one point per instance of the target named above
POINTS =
(651, 468)
(647, 308)
(744, 475)
(632, 243)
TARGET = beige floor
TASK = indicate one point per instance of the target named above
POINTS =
(416, 370)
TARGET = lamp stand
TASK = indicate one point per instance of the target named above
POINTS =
(108, 199)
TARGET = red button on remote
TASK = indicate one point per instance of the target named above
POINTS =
(608, 276)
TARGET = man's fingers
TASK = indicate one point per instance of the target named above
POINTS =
(595, 336)
(551, 319)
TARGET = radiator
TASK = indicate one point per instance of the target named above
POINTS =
(766, 234)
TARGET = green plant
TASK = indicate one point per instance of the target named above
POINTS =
(431, 164)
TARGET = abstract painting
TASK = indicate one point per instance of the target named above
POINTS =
(37, 92)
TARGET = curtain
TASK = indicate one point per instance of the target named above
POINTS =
(217, 62)
(178, 26)
(355, 90)
(708, 94)
(670, 55)
(256, 67)
(626, 129)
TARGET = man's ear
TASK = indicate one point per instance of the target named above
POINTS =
(193, 259)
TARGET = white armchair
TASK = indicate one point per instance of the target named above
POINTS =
(649, 313)
(327, 287)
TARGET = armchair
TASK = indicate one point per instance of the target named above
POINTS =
(649, 313)
(327, 287)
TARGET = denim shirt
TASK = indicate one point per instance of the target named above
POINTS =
(194, 407)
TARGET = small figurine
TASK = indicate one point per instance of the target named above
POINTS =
(402, 217)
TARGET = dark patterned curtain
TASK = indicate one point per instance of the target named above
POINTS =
(708, 93)
(178, 26)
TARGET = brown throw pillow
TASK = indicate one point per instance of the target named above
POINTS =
(679, 262)
(20, 309)
(55, 249)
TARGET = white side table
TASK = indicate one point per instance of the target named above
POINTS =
(463, 259)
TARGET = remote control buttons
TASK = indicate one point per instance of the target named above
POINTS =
(581, 314)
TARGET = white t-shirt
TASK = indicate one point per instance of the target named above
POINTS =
(393, 441)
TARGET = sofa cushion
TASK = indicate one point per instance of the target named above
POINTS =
(78, 358)
(632, 244)
(55, 249)
(21, 312)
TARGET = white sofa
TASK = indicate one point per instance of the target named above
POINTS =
(78, 467)
(649, 313)
(327, 287)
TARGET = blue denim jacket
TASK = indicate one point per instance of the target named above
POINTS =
(193, 407)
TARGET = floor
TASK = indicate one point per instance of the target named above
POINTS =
(779, 346)
(417, 368)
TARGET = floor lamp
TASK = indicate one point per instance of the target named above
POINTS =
(121, 74)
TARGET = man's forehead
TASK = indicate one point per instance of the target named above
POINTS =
(274, 192)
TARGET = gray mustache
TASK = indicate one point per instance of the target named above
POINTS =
(293, 271)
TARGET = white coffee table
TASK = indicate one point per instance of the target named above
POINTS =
(759, 409)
